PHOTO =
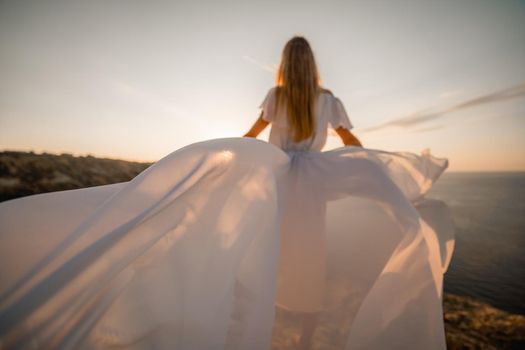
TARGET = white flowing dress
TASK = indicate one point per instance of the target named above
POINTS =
(195, 251)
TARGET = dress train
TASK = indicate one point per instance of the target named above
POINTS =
(194, 252)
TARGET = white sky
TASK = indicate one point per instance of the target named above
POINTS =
(139, 79)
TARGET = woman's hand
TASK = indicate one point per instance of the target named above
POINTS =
(347, 137)
(257, 127)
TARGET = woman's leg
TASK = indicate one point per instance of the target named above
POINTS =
(309, 324)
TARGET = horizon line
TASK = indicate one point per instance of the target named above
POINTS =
(131, 160)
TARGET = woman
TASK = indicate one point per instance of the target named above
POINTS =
(195, 251)
(302, 125)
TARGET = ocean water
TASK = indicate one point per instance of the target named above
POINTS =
(489, 257)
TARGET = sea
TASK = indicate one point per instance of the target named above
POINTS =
(488, 262)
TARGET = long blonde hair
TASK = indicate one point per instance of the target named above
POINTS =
(298, 84)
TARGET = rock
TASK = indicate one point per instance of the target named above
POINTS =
(471, 324)
(27, 173)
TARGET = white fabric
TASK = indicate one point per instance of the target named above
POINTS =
(194, 252)
(329, 112)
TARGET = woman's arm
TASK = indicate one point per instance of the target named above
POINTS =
(257, 127)
(347, 137)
